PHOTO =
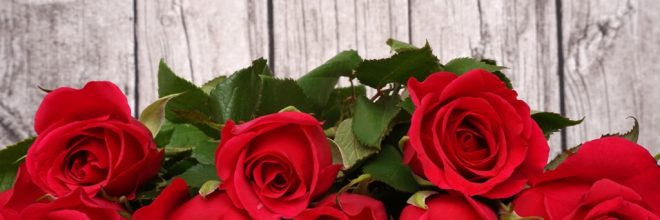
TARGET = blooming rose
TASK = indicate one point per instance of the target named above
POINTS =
(174, 203)
(26, 201)
(274, 165)
(471, 134)
(607, 178)
(87, 139)
(447, 206)
(352, 207)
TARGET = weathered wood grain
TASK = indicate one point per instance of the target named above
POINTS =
(612, 66)
(59, 43)
(198, 39)
(307, 33)
(521, 35)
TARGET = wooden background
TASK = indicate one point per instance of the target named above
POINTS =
(597, 59)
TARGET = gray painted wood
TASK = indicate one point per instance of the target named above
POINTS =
(612, 65)
(520, 35)
(609, 57)
(307, 33)
(198, 39)
(59, 43)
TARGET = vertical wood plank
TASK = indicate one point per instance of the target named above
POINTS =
(612, 67)
(198, 39)
(307, 33)
(520, 35)
(59, 43)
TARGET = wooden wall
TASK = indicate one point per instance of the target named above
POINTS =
(596, 59)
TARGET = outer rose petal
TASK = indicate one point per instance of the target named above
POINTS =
(96, 99)
(447, 206)
(173, 203)
(353, 207)
(323, 212)
(73, 206)
(606, 176)
(169, 199)
(24, 193)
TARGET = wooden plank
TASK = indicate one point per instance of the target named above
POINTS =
(612, 67)
(59, 43)
(307, 33)
(520, 35)
(198, 39)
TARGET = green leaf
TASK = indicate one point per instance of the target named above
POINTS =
(337, 158)
(10, 159)
(340, 105)
(192, 98)
(319, 83)
(199, 120)
(281, 93)
(632, 135)
(165, 134)
(387, 166)
(399, 46)
(506, 212)
(408, 105)
(363, 179)
(289, 109)
(211, 84)
(462, 65)
(550, 122)
(349, 147)
(204, 152)
(172, 168)
(186, 137)
(238, 96)
(153, 116)
(208, 187)
(419, 198)
(418, 63)
(198, 174)
(372, 121)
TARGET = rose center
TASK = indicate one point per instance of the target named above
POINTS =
(472, 144)
(272, 175)
(84, 167)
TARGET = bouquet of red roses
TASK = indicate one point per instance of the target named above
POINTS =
(414, 139)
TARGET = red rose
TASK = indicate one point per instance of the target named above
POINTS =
(75, 206)
(352, 207)
(87, 139)
(274, 165)
(447, 206)
(608, 177)
(174, 203)
(471, 134)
